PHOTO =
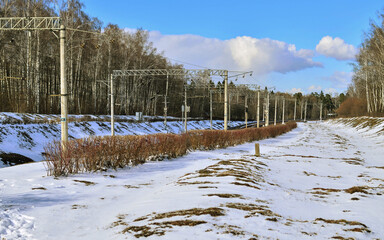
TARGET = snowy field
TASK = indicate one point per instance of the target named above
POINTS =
(30, 139)
(320, 181)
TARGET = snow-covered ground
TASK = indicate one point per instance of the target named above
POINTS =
(319, 181)
(30, 139)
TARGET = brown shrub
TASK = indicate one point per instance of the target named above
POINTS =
(352, 107)
(101, 153)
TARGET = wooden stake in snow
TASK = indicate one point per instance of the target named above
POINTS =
(257, 150)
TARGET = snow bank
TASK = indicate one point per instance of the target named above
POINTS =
(30, 139)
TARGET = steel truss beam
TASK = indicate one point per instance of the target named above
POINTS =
(30, 23)
(169, 72)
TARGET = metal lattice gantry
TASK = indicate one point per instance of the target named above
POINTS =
(190, 73)
(45, 23)
(30, 23)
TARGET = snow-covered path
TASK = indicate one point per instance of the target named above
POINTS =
(318, 181)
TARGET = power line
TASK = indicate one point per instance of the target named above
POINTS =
(187, 63)
(84, 31)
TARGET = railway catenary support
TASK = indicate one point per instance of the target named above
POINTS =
(258, 109)
(283, 110)
(274, 121)
(52, 24)
(191, 73)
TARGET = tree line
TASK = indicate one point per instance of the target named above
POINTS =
(366, 93)
(30, 72)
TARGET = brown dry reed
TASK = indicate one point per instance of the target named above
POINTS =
(101, 153)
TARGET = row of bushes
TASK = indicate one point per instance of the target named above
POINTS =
(101, 153)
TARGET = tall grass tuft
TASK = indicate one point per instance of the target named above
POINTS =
(100, 153)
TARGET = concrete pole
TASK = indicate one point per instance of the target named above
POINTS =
(305, 112)
(258, 109)
(225, 100)
(165, 104)
(274, 122)
(301, 110)
(283, 110)
(267, 111)
(112, 109)
(229, 108)
(246, 112)
(321, 111)
(185, 110)
(294, 111)
(210, 108)
(63, 89)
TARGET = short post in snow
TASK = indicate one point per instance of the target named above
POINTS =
(257, 150)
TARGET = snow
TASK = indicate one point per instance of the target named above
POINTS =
(30, 139)
(295, 190)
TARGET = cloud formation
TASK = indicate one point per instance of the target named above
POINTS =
(340, 79)
(262, 56)
(336, 48)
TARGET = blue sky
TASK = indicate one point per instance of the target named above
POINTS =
(291, 45)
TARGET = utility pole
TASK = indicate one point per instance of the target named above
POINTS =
(258, 109)
(305, 112)
(229, 108)
(267, 110)
(185, 109)
(294, 110)
(225, 100)
(165, 104)
(301, 110)
(112, 108)
(63, 89)
(283, 109)
(210, 107)
(246, 112)
(321, 111)
(274, 122)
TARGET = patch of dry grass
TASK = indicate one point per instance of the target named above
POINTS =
(87, 183)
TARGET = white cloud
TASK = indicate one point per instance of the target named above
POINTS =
(262, 56)
(295, 90)
(340, 79)
(336, 48)
(314, 88)
(330, 91)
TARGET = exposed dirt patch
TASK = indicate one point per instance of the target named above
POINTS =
(87, 183)
(39, 188)
(190, 223)
(342, 222)
(76, 206)
(13, 159)
(130, 186)
(309, 173)
(225, 195)
(359, 189)
(213, 212)
(143, 231)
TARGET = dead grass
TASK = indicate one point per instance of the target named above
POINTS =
(76, 206)
(87, 183)
(309, 173)
(342, 222)
(189, 223)
(39, 188)
(213, 212)
(143, 231)
(359, 189)
(130, 186)
(225, 195)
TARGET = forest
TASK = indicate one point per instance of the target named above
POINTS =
(366, 92)
(30, 73)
